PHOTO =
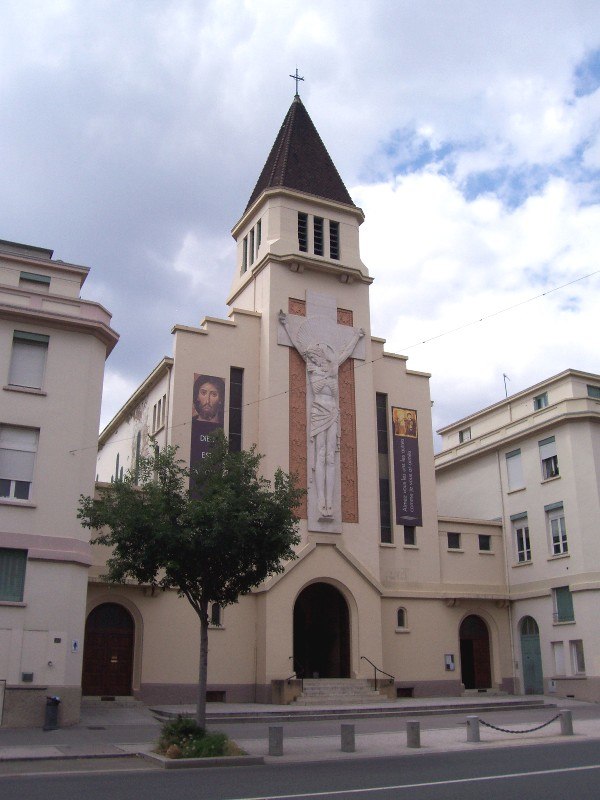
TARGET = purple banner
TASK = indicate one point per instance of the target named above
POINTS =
(207, 414)
(407, 476)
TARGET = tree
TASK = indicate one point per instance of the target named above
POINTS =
(213, 544)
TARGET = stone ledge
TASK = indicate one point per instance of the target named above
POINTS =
(195, 763)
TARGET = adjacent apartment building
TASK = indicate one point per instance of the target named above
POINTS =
(53, 346)
(532, 462)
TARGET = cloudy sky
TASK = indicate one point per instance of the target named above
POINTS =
(132, 133)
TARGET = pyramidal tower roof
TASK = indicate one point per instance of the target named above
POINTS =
(299, 160)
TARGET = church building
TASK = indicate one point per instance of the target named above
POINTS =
(380, 581)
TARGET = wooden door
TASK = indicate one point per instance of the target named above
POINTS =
(108, 651)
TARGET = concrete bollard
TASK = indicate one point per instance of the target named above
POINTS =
(347, 736)
(413, 733)
(275, 740)
(566, 723)
(473, 729)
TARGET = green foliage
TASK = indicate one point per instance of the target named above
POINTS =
(213, 545)
(182, 738)
(178, 729)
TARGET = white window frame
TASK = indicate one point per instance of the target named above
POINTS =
(522, 540)
(28, 360)
(557, 529)
(487, 538)
(18, 448)
(464, 435)
(558, 653)
(548, 458)
(458, 540)
(540, 401)
(577, 656)
(593, 391)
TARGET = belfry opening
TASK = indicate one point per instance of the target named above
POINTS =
(321, 633)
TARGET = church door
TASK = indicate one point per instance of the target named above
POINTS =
(533, 678)
(108, 651)
(476, 670)
(321, 633)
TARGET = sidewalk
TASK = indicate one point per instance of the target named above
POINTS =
(113, 731)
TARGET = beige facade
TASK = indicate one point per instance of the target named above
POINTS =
(533, 462)
(53, 346)
(366, 588)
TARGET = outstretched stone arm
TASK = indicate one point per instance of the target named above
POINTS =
(284, 320)
(347, 351)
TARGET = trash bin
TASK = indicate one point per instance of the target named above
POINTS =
(51, 716)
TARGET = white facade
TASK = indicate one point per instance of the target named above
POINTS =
(53, 346)
(388, 592)
(533, 462)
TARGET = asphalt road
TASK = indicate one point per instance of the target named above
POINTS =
(545, 772)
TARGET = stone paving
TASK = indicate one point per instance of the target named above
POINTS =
(121, 721)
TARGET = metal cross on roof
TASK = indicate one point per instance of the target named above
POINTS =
(297, 78)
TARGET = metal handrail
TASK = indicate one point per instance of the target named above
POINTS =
(295, 673)
(377, 669)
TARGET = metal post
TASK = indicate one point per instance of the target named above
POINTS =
(473, 729)
(347, 737)
(413, 733)
(275, 740)
(566, 723)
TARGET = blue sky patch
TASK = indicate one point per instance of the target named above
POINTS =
(587, 74)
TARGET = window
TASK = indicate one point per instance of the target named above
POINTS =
(558, 651)
(410, 536)
(541, 401)
(18, 447)
(12, 574)
(563, 604)
(577, 658)
(215, 615)
(521, 537)
(485, 543)
(302, 232)
(334, 240)
(401, 618)
(385, 512)
(594, 392)
(318, 235)
(557, 529)
(514, 470)
(28, 359)
(464, 435)
(548, 458)
(258, 235)
(453, 541)
(236, 386)
(245, 254)
(164, 409)
(30, 280)
(251, 246)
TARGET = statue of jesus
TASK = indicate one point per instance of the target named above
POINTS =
(322, 363)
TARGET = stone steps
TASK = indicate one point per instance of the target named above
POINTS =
(338, 691)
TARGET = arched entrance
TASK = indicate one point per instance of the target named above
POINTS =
(476, 670)
(108, 651)
(321, 633)
(531, 655)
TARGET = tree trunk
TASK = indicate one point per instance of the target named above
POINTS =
(203, 665)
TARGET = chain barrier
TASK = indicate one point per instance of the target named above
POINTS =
(526, 730)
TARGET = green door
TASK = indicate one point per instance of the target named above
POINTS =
(533, 677)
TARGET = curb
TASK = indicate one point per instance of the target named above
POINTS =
(200, 763)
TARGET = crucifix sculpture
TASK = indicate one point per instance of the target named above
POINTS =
(324, 346)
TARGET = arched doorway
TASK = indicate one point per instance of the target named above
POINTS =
(531, 655)
(108, 651)
(476, 670)
(321, 633)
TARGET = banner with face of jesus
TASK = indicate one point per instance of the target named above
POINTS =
(207, 413)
